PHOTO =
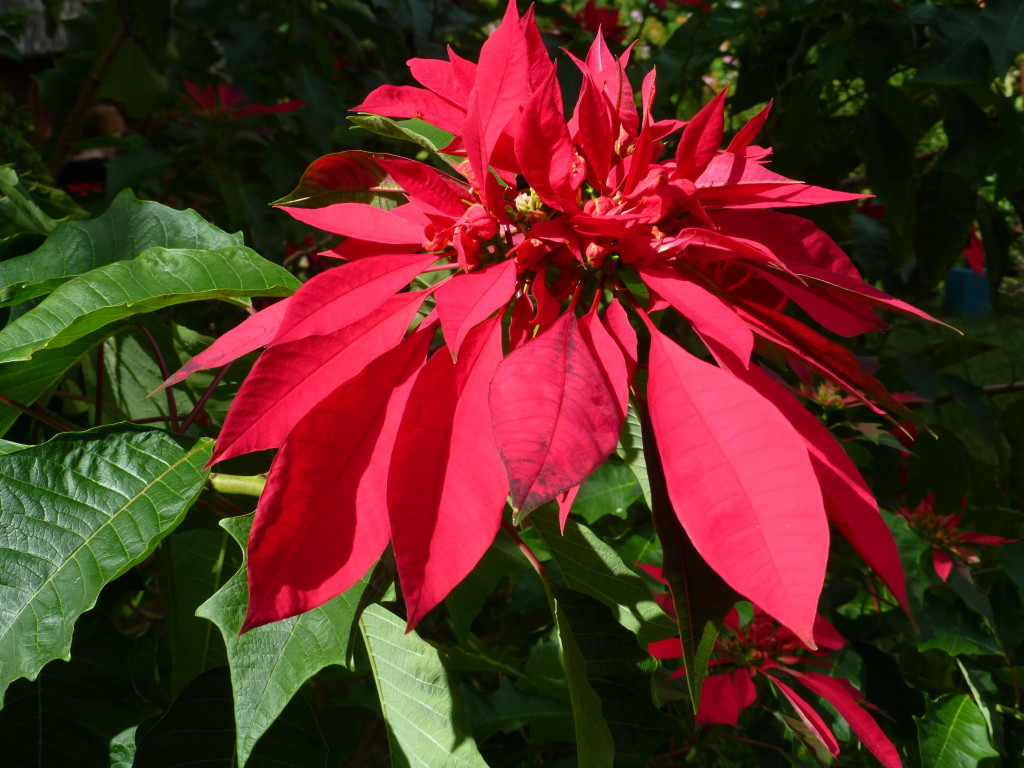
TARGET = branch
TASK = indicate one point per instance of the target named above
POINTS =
(72, 125)
(241, 485)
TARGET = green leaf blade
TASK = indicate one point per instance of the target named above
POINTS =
(75, 513)
(421, 704)
(158, 278)
(270, 663)
(592, 567)
(953, 734)
(127, 228)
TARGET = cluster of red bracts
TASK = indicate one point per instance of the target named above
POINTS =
(763, 648)
(568, 242)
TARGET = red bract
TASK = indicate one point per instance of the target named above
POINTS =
(569, 246)
(948, 543)
(224, 103)
(764, 648)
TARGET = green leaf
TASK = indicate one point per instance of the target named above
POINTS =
(344, 177)
(609, 491)
(198, 730)
(952, 734)
(957, 53)
(75, 513)
(952, 629)
(122, 748)
(270, 663)
(421, 704)
(464, 602)
(415, 130)
(631, 449)
(1001, 24)
(592, 567)
(160, 277)
(508, 709)
(26, 381)
(615, 670)
(21, 212)
(70, 715)
(192, 567)
(127, 228)
(595, 747)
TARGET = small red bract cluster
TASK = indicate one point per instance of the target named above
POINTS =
(407, 409)
(227, 102)
(949, 544)
(762, 647)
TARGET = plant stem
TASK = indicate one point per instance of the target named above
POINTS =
(202, 400)
(87, 93)
(37, 415)
(241, 485)
(525, 549)
(172, 406)
(100, 376)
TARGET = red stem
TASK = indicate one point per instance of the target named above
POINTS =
(100, 377)
(172, 407)
(525, 549)
(202, 400)
(37, 415)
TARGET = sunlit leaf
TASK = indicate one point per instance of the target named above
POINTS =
(160, 277)
(77, 512)
(420, 701)
(270, 663)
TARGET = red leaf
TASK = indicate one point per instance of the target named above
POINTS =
(361, 221)
(617, 322)
(837, 313)
(848, 501)
(942, 562)
(501, 86)
(855, 288)
(610, 77)
(748, 132)
(609, 358)
(439, 77)
(446, 486)
(844, 697)
(290, 379)
(342, 177)
(741, 483)
(555, 420)
(409, 101)
(565, 501)
(322, 519)
(701, 139)
(541, 65)
(333, 299)
(425, 185)
(714, 319)
(724, 696)
(795, 240)
(468, 299)
(544, 149)
(834, 362)
(810, 717)
(591, 127)
(252, 333)
(731, 181)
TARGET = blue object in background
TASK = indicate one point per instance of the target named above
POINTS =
(967, 293)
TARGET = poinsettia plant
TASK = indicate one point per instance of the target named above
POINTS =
(490, 326)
